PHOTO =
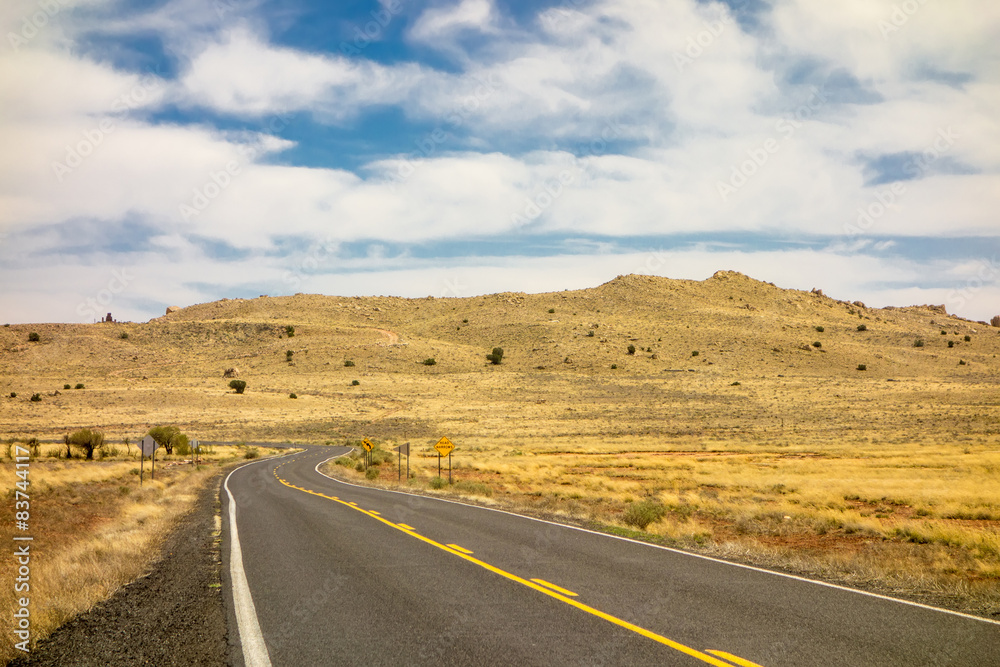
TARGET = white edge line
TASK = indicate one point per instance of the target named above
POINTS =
(670, 549)
(252, 640)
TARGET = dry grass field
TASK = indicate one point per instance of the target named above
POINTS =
(769, 425)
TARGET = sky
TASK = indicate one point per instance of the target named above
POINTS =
(173, 152)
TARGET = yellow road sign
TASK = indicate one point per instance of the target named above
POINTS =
(444, 446)
(367, 444)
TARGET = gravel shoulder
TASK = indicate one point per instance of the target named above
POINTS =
(174, 615)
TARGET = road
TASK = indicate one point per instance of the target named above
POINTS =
(337, 574)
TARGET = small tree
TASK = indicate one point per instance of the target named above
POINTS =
(238, 386)
(496, 356)
(86, 440)
(169, 437)
(288, 355)
(631, 349)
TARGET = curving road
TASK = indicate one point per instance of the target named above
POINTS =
(320, 572)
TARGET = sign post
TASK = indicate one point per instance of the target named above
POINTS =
(444, 447)
(367, 444)
(149, 447)
(403, 449)
(194, 448)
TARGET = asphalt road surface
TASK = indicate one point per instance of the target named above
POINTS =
(320, 572)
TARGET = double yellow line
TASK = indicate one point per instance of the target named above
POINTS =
(711, 657)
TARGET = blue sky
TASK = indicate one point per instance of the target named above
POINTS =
(174, 152)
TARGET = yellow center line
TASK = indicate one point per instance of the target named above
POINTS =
(373, 512)
(677, 646)
(462, 549)
(557, 589)
(735, 659)
(406, 527)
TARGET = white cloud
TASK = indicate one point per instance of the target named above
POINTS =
(438, 26)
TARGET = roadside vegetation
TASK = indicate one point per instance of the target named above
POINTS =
(96, 526)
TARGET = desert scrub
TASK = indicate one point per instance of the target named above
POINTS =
(239, 386)
(438, 483)
(348, 363)
(251, 453)
(643, 513)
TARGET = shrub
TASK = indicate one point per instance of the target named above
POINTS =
(87, 440)
(496, 356)
(354, 383)
(552, 310)
(862, 327)
(862, 367)
(13, 394)
(289, 330)
(735, 384)
(79, 385)
(961, 362)
(67, 386)
(995, 321)
(429, 361)
(360, 466)
(348, 363)
(944, 333)
(292, 395)
(817, 344)
(918, 342)
(238, 386)
(169, 437)
(34, 337)
(614, 366)
(438, 483)
(820, 329)
(371, 473)
(631, 349)
(590, 334)
(968, 339)
(695, 353)
(251, 453)
(123, 335)
(36, 398)
(644, 513)
(288, 355)
(465, 321)
(951, 343)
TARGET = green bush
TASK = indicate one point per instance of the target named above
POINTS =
(251, 453)
(371, 473)
(169, 437)
(289, 330)
(862, 367)
(944, 333)
(355, 383)
(862, 327)
(496, 356)
(590, 334)
(123, 335)
(968, 339)
(239, 386)
(34, 337)
(644, 513)
(35, 398)
(289, 354)
(67, 386)
(630, 349)
(918, 343)
(13, 394)
(438, 483)
(293, 395)
(79, 385)
(695, 353)
(429, 361)
(360, 466)
(817, 344)
(961, 362)
(819, 329)
(348, 363)
(552, 310)
(951, 343)
(614, 366)
(465, 321)
(735, 384)
(474, 488)
(87, 440)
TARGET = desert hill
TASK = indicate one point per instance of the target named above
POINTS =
(694, 341)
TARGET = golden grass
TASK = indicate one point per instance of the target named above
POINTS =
(94, 531)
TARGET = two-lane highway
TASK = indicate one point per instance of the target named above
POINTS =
(337, 574)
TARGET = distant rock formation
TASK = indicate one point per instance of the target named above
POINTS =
(172, 309)
(995, 321)
(231, 373)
